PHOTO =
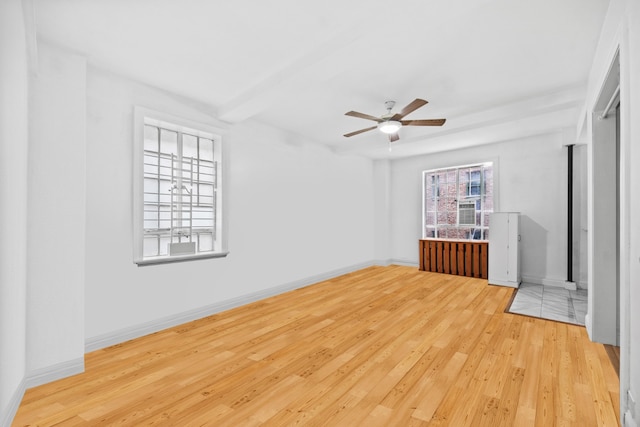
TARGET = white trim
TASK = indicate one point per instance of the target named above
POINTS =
(470, 165)
(628, 420)
(116, 337)
(559, 283)
(36, 378)
(396, 261)
(214, 128)
(54, 372)
(216, 132)
(508, 283)
(13, 405)
(176, 258)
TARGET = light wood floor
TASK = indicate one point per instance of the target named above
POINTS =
(383, 346)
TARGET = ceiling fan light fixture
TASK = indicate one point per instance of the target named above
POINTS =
(389, 126)
(390, 123)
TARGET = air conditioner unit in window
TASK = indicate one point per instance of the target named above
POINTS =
(467, 213)
(182, 248)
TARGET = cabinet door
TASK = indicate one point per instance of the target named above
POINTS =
(498, 247)
(513, 267)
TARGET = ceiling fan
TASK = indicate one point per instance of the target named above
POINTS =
(391, 123)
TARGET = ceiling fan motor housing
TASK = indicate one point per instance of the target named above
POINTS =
(389, 105)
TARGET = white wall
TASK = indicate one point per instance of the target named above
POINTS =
(621, 30)
(382, 211)
(56, 235)
(13, 205)
(530, 177)
(295, 211)
(631, 136)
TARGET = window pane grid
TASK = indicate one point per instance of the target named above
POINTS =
(179, 196)
(456, 196)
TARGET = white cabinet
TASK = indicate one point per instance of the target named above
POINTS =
(504, 249)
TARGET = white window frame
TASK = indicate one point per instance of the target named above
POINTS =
(483, 229)
(145, 116)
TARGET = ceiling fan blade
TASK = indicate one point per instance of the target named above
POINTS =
(359, 131)
(413, 106)
(428, 122)
(363, 116)
(393, 137)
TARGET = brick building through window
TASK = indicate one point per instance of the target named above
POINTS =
(457, 202)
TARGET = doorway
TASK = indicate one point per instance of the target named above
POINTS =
(603, 319)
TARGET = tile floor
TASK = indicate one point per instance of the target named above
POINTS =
(550, 302)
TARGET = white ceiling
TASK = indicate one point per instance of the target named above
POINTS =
(496, 69)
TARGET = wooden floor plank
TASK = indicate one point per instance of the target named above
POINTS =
(382, 346)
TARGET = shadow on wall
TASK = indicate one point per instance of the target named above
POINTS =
(533, 248)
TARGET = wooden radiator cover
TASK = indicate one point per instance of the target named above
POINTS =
(460, 257)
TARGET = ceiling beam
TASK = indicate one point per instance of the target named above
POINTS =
(548, 113)
(314, 66)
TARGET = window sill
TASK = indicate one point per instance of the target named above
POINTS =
(177, 258)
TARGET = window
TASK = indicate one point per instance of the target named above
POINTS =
(457, 202)
(178, 203)
(473, 182)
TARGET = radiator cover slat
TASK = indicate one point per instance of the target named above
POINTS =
(460, 257)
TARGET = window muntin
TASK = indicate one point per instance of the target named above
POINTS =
(178, 177)
(448, 198)
(473, 182)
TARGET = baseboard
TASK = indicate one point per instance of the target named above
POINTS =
(36, 378)
(14, 403)
(588, 326)
(396, 261)
(405, 262)
(559, 283)
(628, 420)
(54, 372)
(122, 335)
